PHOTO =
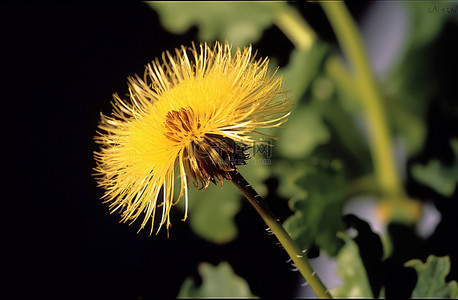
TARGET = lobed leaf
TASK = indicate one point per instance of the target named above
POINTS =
(304, 132)
(317, 201)
(217, 281)
(350, 269)
(435, 175)
(211, 213)
(240, 23)
(431, 278)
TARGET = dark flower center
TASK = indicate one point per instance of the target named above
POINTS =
(207, 157)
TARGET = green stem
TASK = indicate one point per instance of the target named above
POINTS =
(298, 257)
(380, 140)
(295, 28)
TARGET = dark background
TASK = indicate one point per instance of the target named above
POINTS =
(63, 62)
(66, 61)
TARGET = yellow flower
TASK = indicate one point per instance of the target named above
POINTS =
(189, 116)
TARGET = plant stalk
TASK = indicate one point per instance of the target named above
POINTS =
(380, 141)
(297, 256)
(295, 28)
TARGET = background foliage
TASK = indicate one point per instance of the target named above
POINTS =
(321, 158)
(64, 62)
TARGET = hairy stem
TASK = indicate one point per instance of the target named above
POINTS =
(297, 256)
(380, 140)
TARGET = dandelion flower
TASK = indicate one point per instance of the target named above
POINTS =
(190, 116)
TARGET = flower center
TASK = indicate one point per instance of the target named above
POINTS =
(213, 158)
(182, 126)
(206, 157)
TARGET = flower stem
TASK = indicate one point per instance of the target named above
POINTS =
(298, 257)
(295, 28)
(380, 140)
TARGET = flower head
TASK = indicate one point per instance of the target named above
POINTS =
(190, 116)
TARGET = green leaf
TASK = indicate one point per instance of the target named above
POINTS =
(288, 174)
(258, 168)
(408, 90)
(304, 131)
(346, 139)
(409, 124)
(240, 23)
(431, 278)
(211, 212)
(408, 87)
(437, 176)
(427, 19)
(317, 200)
(351, 270)
(217, 281)
(302, 68)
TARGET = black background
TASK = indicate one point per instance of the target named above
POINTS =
(63, 62)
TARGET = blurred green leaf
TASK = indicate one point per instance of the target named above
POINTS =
(426, 20)
(316, 194)
(408, 91)
(346, 137)
(304, 131)
(437, 176)
(431, 278)
(410, 125)
(289, 172)
(322, 90)
(343, 82)
(257, 169)
(350, 269)
(408, 87)
(302, 68)
(211, 212)
(217, 281)
(240, 23)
